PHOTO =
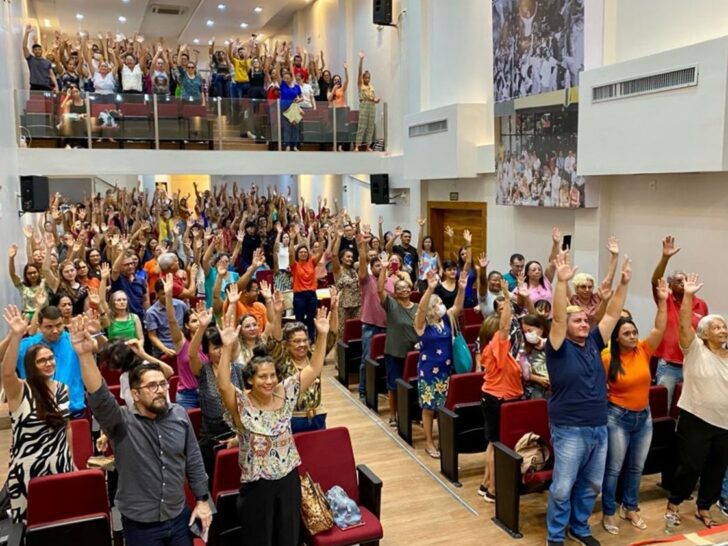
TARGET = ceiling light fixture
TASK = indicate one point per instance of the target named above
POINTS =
(122, 19)
(125, 1)
(258, 9)
(221, 7)
(79, 16)
(243, 25)
(47, 22)
(196, 41)
(210, 23)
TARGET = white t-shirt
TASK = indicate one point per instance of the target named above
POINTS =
(131, 80)
(104, 85)
(705, 384)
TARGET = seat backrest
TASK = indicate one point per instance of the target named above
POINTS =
(674, 410)
(376, 348)
(471, 316)
(658, 401)
(518, 418)
(83, 447)
(470, 333)
(465, 388)
(415, 296)
(135, 109)
(168, 109)
(195, 416)
(173, 384)
(352, 330)
(227, 472)
(65, 496)
(328, 457)
(410, 365)
(193, 110)
(116, 391)
(97, 108)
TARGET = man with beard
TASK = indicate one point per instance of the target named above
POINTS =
(155, 451)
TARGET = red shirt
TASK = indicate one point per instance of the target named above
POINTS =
(178, 286)
(304, 276)
(302, 71)
(669, 349)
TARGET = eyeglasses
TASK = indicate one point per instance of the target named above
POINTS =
(46, 360)
(190, 68)
(155, 387)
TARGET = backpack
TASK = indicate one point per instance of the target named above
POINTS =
(534, 452)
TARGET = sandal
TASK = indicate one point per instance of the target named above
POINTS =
(706, 520)
(672, 517)
(432, 452)
(639, 523)
(609, 528)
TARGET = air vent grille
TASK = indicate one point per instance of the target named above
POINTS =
(655, 83)
(165, 9)
(432, 127)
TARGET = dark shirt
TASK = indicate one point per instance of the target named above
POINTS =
(135, 290)
(39, 68)
(578, 383)
(323, 90)
(153, 457)
(410, 259)
(349, 244)
(250, 244)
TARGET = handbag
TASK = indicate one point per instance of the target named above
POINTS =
(345, 511)
(315, 510)
(462, 358)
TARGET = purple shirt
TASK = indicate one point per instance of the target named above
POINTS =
(187, 380)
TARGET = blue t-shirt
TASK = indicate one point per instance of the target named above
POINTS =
(210, 280)
(68, 368)
(155, 319)
(288, 95)
(578, 383)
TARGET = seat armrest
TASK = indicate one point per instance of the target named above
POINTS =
(447, 427)
(508, 487)
(370, 489)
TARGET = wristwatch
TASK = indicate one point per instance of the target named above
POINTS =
(203, 498)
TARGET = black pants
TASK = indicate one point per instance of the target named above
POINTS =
(304, 308)
(703, 450)
(270, 511)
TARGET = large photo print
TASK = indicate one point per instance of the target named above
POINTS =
(538, 46)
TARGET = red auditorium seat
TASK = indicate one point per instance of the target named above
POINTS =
(375, 372)
(195, 416)
(173, 383)
(471, 316)
(408, 407)
(460, 422)
(225, 489)
(674, 410)
(470, 333)
(328, 457)
(348, 352)
(83, 447)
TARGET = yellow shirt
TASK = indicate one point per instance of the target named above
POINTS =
(241, 67)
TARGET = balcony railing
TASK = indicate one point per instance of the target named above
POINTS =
(139, 121)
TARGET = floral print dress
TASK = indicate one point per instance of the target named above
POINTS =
(435, 365)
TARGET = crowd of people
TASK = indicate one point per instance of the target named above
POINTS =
(77, 65)
(224, 293)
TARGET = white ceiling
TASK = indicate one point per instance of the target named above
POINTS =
(102, 16)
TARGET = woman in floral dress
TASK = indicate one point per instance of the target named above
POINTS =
(433, 326)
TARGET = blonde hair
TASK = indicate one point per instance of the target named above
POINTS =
(573, 309)
(581, 279)
(430, 316)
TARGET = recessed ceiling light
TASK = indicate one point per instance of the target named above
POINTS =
(243, 25)
(125, 1)
(79, 16)
(210, 42)
(210, 22)
(227, 42)
(221, 7)
(258, 9)
(196, 41)
(47, 22)
(122, 19)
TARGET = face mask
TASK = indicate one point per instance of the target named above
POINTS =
(440, 310)
(533, 338)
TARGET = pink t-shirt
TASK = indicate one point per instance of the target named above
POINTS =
(187, 381)
(372, 311)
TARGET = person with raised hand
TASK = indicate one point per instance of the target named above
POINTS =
(629, 425)
(669, 353)
(29, 285)
(595, 303)
(702, 430)
(154, 448)
(270, 491)
(577, 406)
(39, 411)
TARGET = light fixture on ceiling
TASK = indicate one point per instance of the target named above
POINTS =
(258, 9)
(79, 16)
(196, 41)
(47, 23)
(210, 23)
(227, 42)
(243, 25)
(221, 7)
(210, 42)
(126, 1)
(122, 19)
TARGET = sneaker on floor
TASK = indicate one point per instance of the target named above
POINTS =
(587, 540)
(392, 422)
(482, 490)
(723, 505)
(362, 397)
(488, 496)
(250, 135)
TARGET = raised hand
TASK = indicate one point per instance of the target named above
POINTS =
(205, 317)
(105, 271)
(322, 321)
(605, 290)
(564, 270)
(556, 235)
(13, 251)
(521, 286)
(17, 323)
(41, 298)
(692, 284)
(668, 247)
(468, 236)
(93, 297)
(265, 290)
(168, 281)
(483, 261)
(81, 338)
(504, 287)
(463, 280)
(626, 270)
(421, 221)
(334, 296)
(93, 321)
(613, 245)
(381, 220)
(450, 232)
(229, 332)
(661, 290)
(258, 258)
(278, 303)
(28, 231)
(431, 276)
(233, 294)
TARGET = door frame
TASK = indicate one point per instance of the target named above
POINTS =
(437, 229)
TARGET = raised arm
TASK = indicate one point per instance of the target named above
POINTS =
(24, 43)
(421, 315)
(12, 251)
(229, 335)
(316, 362)
(668, 251)
(17, 326)
(686, 333)
(362, 243)
(346, 78)
(481, 268)
(504, 325)
(564, 273)
(457, 306)
(50, 277)
(204, 317)
(654, 338)
(555, 249)
(178, 337)
(616, 303)
(613, 247)
(420, 232)
(335, 253)
(360, 71)
(380, 282)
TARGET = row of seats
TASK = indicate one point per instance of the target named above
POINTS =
(327, 456)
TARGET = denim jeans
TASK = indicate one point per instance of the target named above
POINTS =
(668, 375)
(188, 398)
(304, 424)
(580, 455)
(724, 492)
(239, 90)
(291, 136)
(630, 434)
(368, 331)
(173, 532)
(304, 308)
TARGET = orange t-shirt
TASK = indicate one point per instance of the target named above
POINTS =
(631, 390)
(304, 276)
(502, 372)
(151, 269)
(258, 310)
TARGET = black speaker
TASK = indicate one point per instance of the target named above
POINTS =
(382, 12)
(379, 186)
(34, 194)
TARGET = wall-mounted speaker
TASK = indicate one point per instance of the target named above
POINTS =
(382, 12)
(34, 194)
(379, 186)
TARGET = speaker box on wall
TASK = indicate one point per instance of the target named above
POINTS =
(382, 12)
(379, 186)
(34, 194)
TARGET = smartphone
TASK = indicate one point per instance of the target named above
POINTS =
(394, 267)
(566, 242)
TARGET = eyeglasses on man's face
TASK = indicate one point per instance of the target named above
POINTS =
(155, 387)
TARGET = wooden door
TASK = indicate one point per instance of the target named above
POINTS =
(459, 215)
